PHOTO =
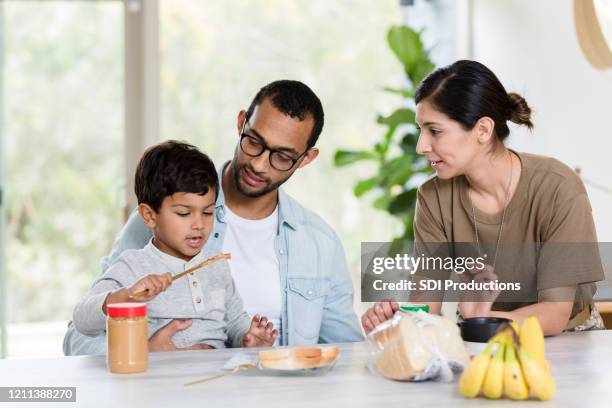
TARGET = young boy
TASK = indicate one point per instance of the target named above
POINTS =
(177, 187)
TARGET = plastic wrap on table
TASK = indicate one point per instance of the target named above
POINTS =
(416, 346)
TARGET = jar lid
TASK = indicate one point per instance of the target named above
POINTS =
(126, 309)
(414, 307)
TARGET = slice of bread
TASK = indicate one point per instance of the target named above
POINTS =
(297, 358)
(275, 354)
(288, 364)
(328, 354)
(302, 352)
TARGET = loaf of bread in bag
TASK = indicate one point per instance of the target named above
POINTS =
(409, 346)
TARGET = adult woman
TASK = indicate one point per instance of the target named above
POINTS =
(484, 192)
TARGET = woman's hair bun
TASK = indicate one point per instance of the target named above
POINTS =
(520, 112)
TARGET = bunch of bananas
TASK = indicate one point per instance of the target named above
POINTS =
(513, 362)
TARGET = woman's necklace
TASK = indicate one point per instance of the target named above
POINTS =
(501, 226)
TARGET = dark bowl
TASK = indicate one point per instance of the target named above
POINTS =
(481, 329)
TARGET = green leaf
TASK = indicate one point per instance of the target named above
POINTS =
(420, 71)
(396, 172)
(345, 157)
(406, 45)
(380, 148)
(400, 245)
(409, 142)
(409, 232)
(401, 116)
(409, 226)
(406, 93)
(403, 202)
(382, 202)
(363, 186)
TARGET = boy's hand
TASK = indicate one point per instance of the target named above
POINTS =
(260, 334)
(150, 286)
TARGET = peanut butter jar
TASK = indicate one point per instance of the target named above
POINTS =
(127, 337)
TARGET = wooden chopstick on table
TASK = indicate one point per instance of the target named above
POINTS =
(190, 270)
(231, 372)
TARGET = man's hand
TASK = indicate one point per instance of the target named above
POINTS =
(260, 334)
(477, 303)
(162, 339)
(377, 314)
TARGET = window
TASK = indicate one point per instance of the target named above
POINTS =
(63, 98)
(593, 19)
(215, 57)
(62, 133)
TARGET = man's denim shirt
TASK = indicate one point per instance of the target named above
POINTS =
(316, 287)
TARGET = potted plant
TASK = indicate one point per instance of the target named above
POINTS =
(400, 169)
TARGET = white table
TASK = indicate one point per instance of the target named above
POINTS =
(581, 366)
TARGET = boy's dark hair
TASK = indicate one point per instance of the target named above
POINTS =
(295, 99)
(173, 167)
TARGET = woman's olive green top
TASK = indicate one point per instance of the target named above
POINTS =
(548, 238)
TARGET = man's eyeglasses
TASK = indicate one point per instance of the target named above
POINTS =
(253, 147)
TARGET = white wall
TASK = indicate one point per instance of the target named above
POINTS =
(438, 21)
(532, 47)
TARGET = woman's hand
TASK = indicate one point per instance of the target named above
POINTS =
(377, 314)
(477, 303)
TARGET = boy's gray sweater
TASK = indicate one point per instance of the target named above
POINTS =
(208, 297)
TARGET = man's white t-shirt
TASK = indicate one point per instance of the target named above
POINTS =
(254, 263)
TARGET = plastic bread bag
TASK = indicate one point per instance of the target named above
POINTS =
(416, 346)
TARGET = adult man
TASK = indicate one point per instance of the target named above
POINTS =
(288, 264)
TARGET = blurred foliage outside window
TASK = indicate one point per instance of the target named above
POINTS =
(63, 134)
